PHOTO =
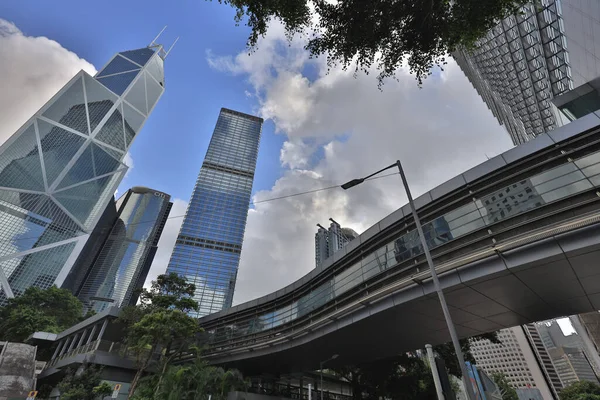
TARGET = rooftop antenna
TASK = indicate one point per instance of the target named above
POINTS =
(171, 48)
(153, 42)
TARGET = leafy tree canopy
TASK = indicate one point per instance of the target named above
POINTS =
(170, 292)
(194, 381)
(85, 385)
(582, 390)
(385, 34)
(508, 392)
(50, 310)
(159, 329)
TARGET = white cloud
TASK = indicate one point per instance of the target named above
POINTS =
(339, 127)
(167, 240)
(32, 70)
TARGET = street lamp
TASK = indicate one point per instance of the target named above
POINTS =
(333, 357)
(434, 277)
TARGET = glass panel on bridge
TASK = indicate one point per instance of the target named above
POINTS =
(516, 198)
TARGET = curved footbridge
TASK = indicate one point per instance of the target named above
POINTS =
(515, 240)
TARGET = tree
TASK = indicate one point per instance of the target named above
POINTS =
(380, 33)
(194, 381)
(582, 390)
(85, 384)
(446, 351)
(508, 392)
(50, 310)
(159, 329)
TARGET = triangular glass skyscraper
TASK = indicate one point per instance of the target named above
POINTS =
(59, 171)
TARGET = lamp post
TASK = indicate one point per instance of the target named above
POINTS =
(436, 283)
(333, 357)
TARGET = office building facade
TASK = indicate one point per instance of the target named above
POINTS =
(514, 358)
(328, 241)
(529, 58)
(207, 250)
(122, 264)
(59, 171)
(572, 358)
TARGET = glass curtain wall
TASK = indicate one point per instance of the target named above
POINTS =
(207, 251)
(59, 171)
(123, 259)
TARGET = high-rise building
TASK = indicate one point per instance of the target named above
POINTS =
(571, 365)
(529, 58)
(573, 358)
(207, 250)
(590, 324)
(328, 241)
(60, 169)
(543, 357)
(514, 358)
(122, 264)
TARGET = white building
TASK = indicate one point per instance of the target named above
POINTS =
(514, 358)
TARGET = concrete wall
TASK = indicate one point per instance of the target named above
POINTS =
(17, 369)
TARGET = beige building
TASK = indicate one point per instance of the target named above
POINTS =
(514, 358)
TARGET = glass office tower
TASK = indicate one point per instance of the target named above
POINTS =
(207, 251)
(123, 263)
(529, 58)
(59, 171)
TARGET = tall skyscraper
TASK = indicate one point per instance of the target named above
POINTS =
(207, 250)
(529, 58)
(572, 358)
(514, 358)
(328, 241)
(123, 262)
(59, 171)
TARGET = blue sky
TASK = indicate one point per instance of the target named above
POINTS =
(169, 154)
(331, 127)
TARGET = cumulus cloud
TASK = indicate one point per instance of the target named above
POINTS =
(340, 126)
(167, 240)
(32, 70)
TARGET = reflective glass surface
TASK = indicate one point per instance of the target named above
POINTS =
(57, 175)
(69, 108)
(516, 198)
(153, 90)
(133, 123)
(118, 83)
(116, 66)
(156, 69)
(58, 147)
(21, 166)
(140, 56)
(112, 132)
(137, 95)
(99, 100)
(115, 272)
(208, 247)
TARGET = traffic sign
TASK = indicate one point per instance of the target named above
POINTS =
(32, 395)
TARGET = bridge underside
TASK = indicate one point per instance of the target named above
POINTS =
(554, 277)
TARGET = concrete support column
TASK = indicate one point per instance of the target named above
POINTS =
(64, 349)
(92, 333)
(58, 348)
(82, 337)
(75, 337)
(101, 333)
